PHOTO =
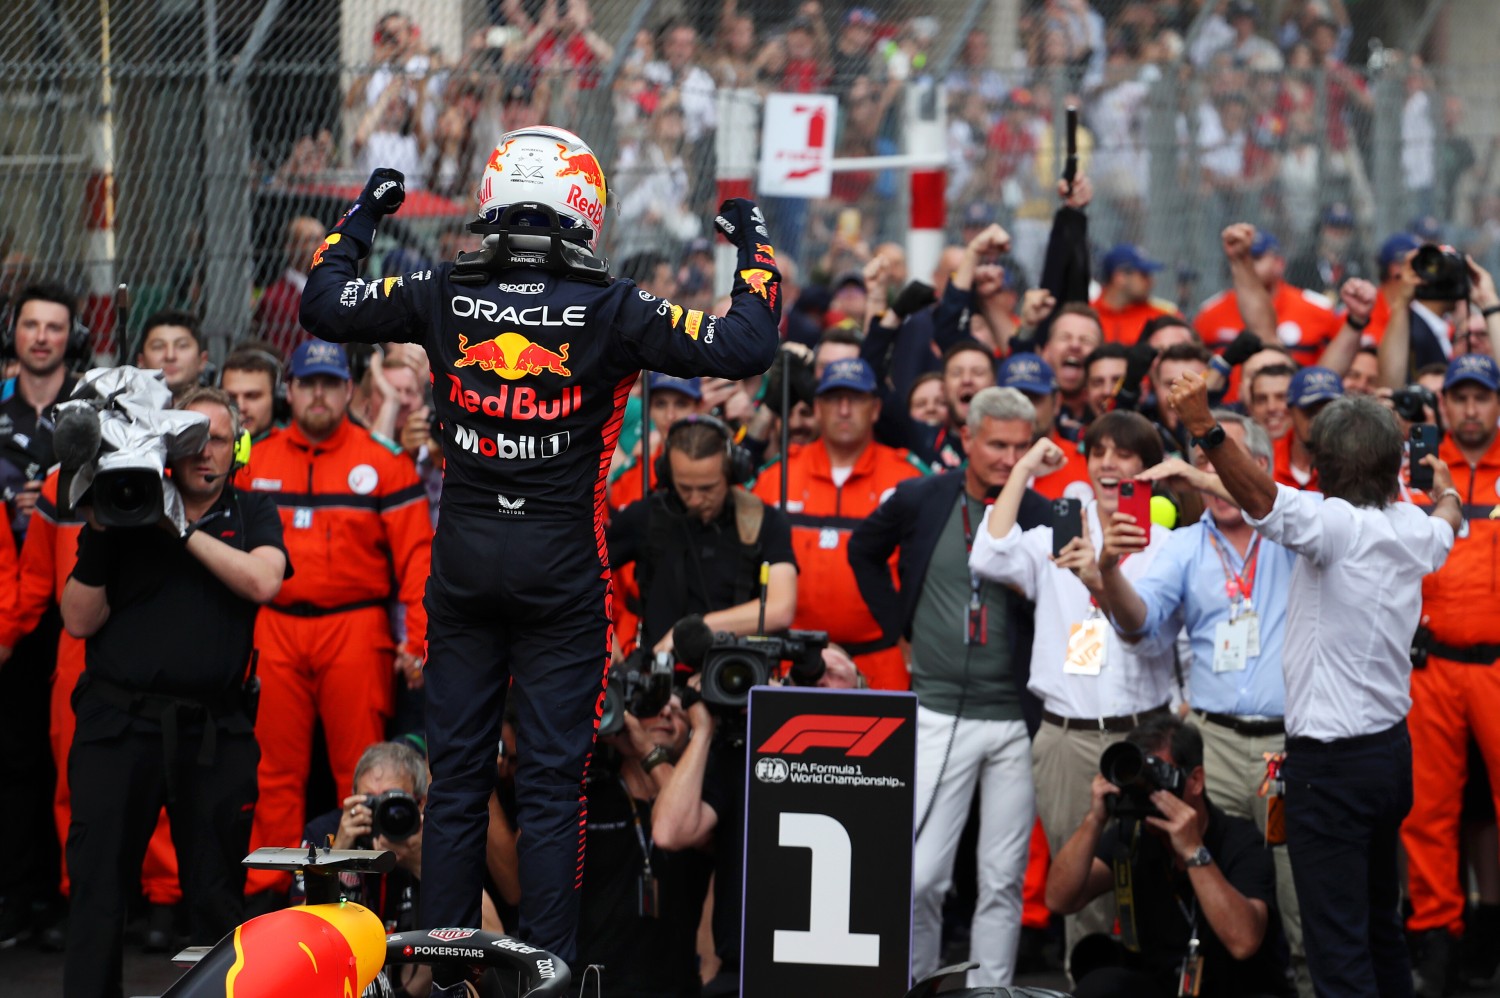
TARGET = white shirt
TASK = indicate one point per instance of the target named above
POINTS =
(1353, 606)
(1134, 678)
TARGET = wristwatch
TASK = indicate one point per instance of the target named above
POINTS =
(1211, 439)
(655, 758)
(1202, 856)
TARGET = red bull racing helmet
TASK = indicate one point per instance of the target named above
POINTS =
(551, 166)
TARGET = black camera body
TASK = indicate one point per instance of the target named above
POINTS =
(640, 685)
(732, 665)
(394, 814)
(1138, 776)
(1444, 273)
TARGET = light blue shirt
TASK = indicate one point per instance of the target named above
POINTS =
(1186, 587)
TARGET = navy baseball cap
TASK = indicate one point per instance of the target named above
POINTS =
(851, 373)
(319, 357)
(1028, 373)
(1476, 367)
(1396, 247)
(1264, 243)
(1127, 255)
(1311, 385)
(691, 387)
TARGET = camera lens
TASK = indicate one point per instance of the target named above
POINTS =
(396, 818)
(736, 678)
(1122, 764)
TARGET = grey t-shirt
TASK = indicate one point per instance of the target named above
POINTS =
(942, 665)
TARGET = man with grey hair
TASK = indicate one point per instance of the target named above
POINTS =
(1354, 601)
(1228, 588)
(970, 651)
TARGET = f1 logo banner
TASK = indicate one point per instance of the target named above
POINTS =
(829, 801)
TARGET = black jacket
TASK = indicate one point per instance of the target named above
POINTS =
(911, 521)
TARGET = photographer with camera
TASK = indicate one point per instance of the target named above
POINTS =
(1195, 891)
(641, 903)
(164, 707)
(1354, 604)
(699, 542)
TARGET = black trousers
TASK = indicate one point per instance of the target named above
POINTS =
(518, 611)
(119, 786)
(31, 868)
(1345, 801)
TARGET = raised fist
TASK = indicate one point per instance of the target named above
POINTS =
(384, 192)
(741, 222)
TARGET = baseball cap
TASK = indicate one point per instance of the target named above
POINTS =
(1476, 367)
(1028, 373)
(851, 373)
(1264, 243)
(1127, 255)
(860, 15)
(319, 357)
(1242, 8)
(691, 387)
(1338, 214)
(1396, 247)
(1311, 385)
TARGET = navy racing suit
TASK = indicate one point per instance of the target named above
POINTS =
(531, 373)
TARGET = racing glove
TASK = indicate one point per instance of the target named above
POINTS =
(742, 223)
(382, 196)
(913, 298)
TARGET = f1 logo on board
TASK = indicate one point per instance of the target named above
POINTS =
(858, 736)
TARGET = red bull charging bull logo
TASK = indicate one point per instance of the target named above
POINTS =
(512, 356)
(588, 203)
(759, 281)
(496, 161)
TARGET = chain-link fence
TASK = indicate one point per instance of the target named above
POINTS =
(174, 144)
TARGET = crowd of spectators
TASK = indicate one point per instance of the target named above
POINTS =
(966, 384)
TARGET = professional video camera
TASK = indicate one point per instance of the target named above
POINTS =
(114, 439)
(1444, 273)
(641, 685)
(1138, 776)
(730, 666)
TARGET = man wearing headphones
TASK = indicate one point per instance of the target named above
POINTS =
(43, 334)
(173, 727)
(698, 543)
(253, 378)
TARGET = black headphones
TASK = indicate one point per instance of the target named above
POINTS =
(79, 336)
(739, 465)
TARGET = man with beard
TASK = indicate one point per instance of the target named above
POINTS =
(1451, 699)
(1075, 333)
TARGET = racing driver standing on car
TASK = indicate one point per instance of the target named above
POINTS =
(534, 350)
